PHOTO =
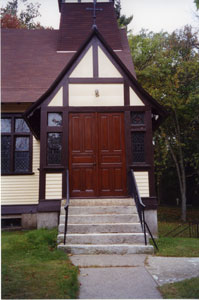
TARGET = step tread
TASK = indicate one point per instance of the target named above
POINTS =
(104, 234)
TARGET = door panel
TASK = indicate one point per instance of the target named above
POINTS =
(111, 149)
(82, 155)
(97, 155)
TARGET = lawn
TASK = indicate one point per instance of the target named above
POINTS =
(186, 289)
(32, 267)
(182, 245)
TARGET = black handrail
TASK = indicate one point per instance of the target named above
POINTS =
(66, 205)
(140, 208)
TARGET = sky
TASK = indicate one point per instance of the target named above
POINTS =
(154, 15)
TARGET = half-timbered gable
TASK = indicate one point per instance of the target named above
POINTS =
(88, 116)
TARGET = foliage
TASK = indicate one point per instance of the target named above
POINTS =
(32, 267)
(167, 67)
(122, 19)
(11, 17)
(186, 289)
(197, 3)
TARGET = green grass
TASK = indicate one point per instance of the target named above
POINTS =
(182, 245)
(32, 267)
(186, 289)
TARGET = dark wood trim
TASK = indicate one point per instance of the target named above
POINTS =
(18, 209)
(49, 206)
(95, 59)
(65, 143)
(127, 122)
(95, 80)
(126, 94)
(18, 174)
(150, 202)
(65, 94)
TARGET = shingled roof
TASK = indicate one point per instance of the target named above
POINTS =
(30, 58)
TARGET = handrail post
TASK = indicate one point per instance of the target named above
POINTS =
(66, 205)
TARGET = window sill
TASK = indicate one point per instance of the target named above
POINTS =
(17, 174)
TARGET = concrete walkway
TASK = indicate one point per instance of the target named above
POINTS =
(130, 276)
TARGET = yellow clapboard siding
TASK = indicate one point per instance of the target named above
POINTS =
(142, 179)
(22, 189)
(53, 186)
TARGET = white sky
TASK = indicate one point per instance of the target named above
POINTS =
(155, 15)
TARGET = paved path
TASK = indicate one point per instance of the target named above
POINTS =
(130, 276)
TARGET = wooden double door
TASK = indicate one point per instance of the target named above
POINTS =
(97, 155)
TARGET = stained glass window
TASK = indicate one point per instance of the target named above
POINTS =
(55, 119)
(54, 148)
(137, 140)
(137, 118)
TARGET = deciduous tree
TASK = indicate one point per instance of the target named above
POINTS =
(167, 66)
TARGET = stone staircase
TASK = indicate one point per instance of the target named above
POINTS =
(102, 226)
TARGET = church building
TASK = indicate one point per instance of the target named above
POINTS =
(74, 114)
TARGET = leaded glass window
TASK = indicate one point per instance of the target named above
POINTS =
(54, 148)
(55, 119)
(16, 143)
(21, 154)
(137, 118)
(138, 148)
(6, 125)
(5, 153)
(21, 126)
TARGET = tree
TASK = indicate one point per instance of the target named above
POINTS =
(167, 66)
(197, 4)
(122, 19)
(10, 15)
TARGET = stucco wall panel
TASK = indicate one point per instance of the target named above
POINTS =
(106, 67)
(84, 95)
(85, 67)
(134, 99)
(58, 99)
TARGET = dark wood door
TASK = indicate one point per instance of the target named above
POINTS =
(97, 155)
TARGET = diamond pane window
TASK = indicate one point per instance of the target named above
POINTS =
(55, 119)
(137, 140)
(54, 148)
(137, 118)
(21, 154)
(5, 153)
(21, 126)
(6, 125)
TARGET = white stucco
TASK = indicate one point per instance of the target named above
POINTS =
(106, 67)
(134, 99)
(84, 95)
(58, 98)
(85, 67)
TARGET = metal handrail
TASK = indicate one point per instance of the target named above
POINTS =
(140, 208)
(66, 205)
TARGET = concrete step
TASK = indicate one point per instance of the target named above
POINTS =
(107, 249)
(87, 210)
(100, 202)
(97, 219)
(102, 228)
(103, 238)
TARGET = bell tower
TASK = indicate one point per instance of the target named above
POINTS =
(80, 17)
